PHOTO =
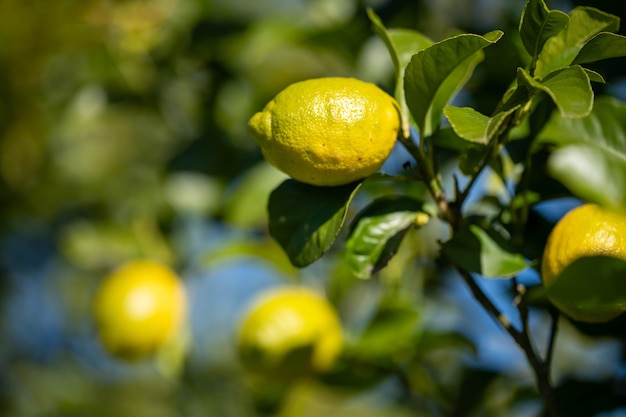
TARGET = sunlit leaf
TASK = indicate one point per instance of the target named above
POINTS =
(305, 219)
(378, 231)
(475, 127)
(468, 123)
(538, 24)
(594, 76)
(569, 88)
(484, 252)
(590, 153)
(435, 74)
(402, 45)
(561, 50)
(267, 250)
(246, 203)
(604, 45)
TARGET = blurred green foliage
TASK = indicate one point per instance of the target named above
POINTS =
(123, 134)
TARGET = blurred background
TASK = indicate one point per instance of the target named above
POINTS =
(123, 135)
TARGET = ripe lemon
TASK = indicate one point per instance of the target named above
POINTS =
(588, 230)
(328, 131)
(289, 331)
(139, 308)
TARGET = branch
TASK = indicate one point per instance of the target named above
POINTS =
(430, 178)
(488, 305)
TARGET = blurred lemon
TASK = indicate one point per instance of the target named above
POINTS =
(290, 331)
(328, 131)
(139, 308)
(588, 230)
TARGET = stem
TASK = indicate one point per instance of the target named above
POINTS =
(430, 178)
(488, 305)
(451, 212)
(541, 368)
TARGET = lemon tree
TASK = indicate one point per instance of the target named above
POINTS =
(139, 308)
(328, 131)
(289, 330)
(548, 135)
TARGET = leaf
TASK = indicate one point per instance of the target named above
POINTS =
(402, 44)
(435, 74)
(378, 231)
(484, 252)
(475, 127)
(392, 329)
(594, 76)
(604, 45)
(468, 123)
(561, 50)
(267, 250)
(471, 158)
(305, 220)
(590, 153)
(538, 24)
(603, 296)
(446, 138)
(569, 88)
(430, 341)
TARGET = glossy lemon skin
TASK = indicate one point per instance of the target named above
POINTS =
(139, 308)
(289, 330)
(328, 131)
(587, 230)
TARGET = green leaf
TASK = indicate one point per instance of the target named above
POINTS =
(484, 252)
(392, 329)
(471, 158)
(378, 231)
(265, 249)
(604, 45)
(499, 120)
(594, 76)
(245, 205)
(435, 74)
(446, 138)
(598, 299)
(475, 127)
(402, 44)
(538, 24)
(431, 341)
(305, 220)
(468, 123)
(590, 153)
(561, 50)
(569, 88)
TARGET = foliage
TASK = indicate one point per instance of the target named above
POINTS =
(580, 139)
(123, 135)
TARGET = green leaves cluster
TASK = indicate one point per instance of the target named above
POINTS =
(585, 141)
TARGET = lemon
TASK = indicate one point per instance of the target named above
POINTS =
(588, 230)
(289, 331)
(139, 308)
(328, 131)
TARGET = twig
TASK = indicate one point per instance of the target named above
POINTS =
(541, 368)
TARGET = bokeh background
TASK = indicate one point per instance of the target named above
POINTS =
(123, 135)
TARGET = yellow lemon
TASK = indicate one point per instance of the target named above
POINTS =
(290, 331)
(328, 131)
(139, 308)
(588, 230)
